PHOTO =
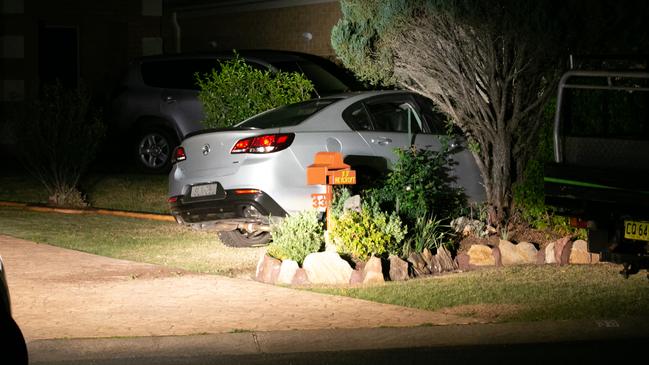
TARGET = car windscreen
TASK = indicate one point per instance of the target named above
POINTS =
(286, 116)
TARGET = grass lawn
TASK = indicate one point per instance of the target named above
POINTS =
(139, 240)
(536, 292)
(140, 193)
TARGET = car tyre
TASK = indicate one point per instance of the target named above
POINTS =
(153, 149)
(239, 238)
(12, 343)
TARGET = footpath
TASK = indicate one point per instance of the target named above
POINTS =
(72, 305)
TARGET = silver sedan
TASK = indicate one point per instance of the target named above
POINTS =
(238, 180)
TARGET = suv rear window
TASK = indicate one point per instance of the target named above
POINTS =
(286, 116)
(323, 81)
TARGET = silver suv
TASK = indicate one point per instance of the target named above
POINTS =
(156, 104)
(237, 181)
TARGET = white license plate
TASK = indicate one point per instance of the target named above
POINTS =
(203, 190)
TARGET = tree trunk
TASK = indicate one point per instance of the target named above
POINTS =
(498, 174)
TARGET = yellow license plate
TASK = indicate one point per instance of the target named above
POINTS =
(636, 230)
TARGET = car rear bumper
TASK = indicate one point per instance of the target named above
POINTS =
(230, 208)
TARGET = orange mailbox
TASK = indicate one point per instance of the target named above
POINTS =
(328, 169)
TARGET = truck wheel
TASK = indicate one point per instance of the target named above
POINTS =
(239, 238)
(153, 150)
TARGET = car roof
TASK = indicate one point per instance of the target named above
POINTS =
(263, 54)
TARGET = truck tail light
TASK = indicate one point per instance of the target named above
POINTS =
(178, 155)
(266, 143)
(578, 222)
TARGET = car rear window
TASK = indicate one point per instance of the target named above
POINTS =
(286, 116)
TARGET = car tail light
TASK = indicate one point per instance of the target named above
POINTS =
(266, 143)
(247, 191)
(178, 155)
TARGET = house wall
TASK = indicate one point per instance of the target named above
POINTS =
(303, 26)
(108, 33)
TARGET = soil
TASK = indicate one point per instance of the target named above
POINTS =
(516, 234)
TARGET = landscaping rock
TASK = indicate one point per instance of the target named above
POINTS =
(579, 253)
(466, 226)
(353, 203)
(418, 264)
(594, 258)
(498, 257)
(550, 258)
(462, 261)
(445, 260)
(327, 268)
(300, 278)
(508, 254)
(398, 268)
(357, 277)
(429, 259)
(528, 252)
(267, 269)
(287, 272)
(522, 253)
(562, 249)
(481, 255)
(373, 271)
(540, 257)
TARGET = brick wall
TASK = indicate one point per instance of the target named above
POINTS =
(303, 28)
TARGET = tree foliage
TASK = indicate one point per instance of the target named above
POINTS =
(487, 65)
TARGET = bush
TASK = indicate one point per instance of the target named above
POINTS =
(296, 236)
(57, 137)
(428, 232)
(238, 91)
(369, 232)
(420, 183)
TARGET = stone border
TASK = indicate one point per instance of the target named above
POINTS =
(560, 252)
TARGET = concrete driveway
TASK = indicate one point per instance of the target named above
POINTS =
(59, 293)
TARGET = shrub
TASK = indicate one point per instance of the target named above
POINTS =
(238, 91)
(428, 232)
(296, 236)
(419, 183)
(369, 232)
(57, 137)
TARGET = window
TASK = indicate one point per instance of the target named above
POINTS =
(435, 120)
(357, 118)
(286, 116)
(394, 115)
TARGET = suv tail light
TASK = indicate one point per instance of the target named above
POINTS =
(266, 143)
(178, 155)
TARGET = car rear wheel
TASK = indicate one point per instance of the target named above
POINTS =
(153, 149)
(239, 238)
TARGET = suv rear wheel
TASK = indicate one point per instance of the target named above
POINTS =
(239, 238)
(153, 150)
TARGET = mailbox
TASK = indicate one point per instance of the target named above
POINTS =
(328, 169)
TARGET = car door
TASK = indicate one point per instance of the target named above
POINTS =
(465, 169)
(394, 123)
